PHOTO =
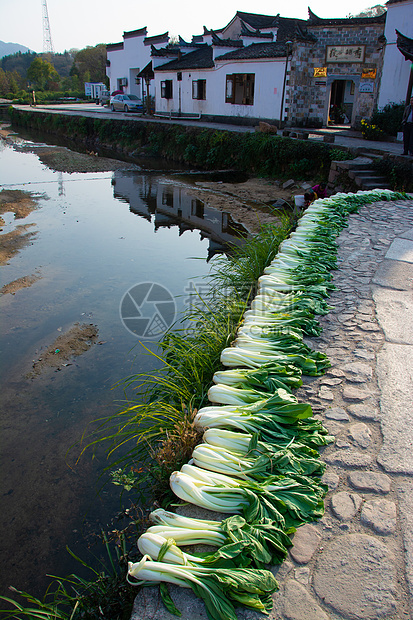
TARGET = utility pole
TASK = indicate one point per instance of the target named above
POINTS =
(47, 37)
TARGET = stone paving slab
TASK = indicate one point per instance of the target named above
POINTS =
(393, 311)
(401, 249)
(395, 377)
(394, 274)
(405, 495)
(408, 234)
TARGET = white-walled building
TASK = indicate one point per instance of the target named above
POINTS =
(397, 68)
(127, 59)
(244, 82)
(281, 70)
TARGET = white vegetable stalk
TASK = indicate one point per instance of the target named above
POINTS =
(221, 417)
(184, 536)
(207, 495)
(151, 544)
(165, 517)
(234, 357)
(148, 570)
(229, 395)
(219, 459)
(236, 442)
(262, 345)
(257, 330)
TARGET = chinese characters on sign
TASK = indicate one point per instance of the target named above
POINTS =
(345, 53)
(320, 72)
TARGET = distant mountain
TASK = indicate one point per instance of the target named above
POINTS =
(12, 48)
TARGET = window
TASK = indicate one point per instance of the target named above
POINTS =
(240, 88)
(198, 89)
(166, 89)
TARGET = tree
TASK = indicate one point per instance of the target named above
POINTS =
(90, 63)
(43, 75)
(373, 11)
(10, 82)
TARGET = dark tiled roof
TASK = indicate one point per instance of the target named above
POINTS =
(405, 45)
(256, 50)
(165, 51)
(256, 34)
(191, 46)
(257, 21)
(314, 20)
(208, 31)
(113, 47)
(224, 42)
(290, 29)
(302, 34)
(135, 33)
(199, 59)
(159, 38)
(147, 72)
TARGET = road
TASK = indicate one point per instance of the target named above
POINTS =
(343, 136)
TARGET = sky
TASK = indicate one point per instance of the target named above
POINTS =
(78, 23)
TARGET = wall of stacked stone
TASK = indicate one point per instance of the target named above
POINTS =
(307, 97)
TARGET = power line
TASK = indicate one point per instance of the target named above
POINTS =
(47, 36)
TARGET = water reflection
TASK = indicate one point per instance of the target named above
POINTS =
(167, 204)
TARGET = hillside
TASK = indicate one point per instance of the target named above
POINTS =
(12, 48)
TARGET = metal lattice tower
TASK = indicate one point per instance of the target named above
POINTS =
(47, 37)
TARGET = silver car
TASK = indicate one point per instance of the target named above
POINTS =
(126, 103)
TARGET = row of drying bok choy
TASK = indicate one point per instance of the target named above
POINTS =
(259, 459)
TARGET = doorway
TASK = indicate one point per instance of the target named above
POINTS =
(341, 102)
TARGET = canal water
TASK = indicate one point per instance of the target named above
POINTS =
(96, 244)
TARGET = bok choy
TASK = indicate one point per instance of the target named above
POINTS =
(218, 587)
(265, 542)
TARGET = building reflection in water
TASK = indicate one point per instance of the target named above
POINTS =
(169, 204)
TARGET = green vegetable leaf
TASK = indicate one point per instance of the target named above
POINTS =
(167, 601)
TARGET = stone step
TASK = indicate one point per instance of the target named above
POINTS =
(370, 155)
(372, 183)
(354, 164)
(363, 172)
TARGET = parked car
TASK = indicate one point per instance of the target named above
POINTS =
(103, 98)
(126, 103)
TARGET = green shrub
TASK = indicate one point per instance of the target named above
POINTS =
(24, 97)
(399, 174)
(389, 118)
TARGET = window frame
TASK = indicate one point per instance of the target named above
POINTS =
(167, 89)
(237, 83)
(199, 90)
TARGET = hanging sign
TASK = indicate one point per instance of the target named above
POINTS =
(366, 87)
(369, 73)
(320, 72)
(345, 53)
